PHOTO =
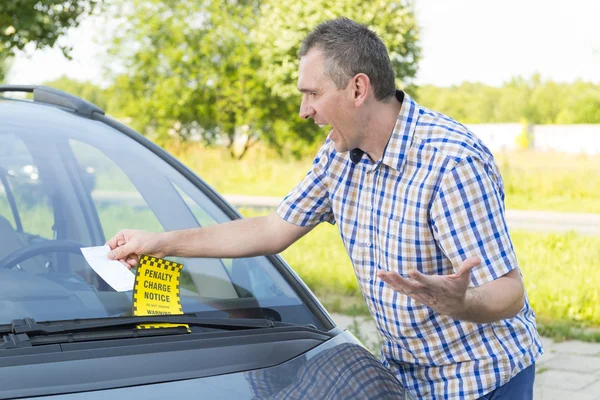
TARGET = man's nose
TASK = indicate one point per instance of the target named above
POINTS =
(306, 111)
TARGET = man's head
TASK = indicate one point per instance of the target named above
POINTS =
(348, 49)
(344, 69)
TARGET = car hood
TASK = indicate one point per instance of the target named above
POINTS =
(338, 368)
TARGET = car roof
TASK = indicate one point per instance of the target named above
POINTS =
(51, 96)
(48, 108)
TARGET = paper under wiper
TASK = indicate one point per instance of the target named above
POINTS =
(118, 276)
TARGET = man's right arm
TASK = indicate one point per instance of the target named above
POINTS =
(240, 238)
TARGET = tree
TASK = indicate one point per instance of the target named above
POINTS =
(38, 22)
(285, 23)
(4, 66)
(532, 100)
(220, 70)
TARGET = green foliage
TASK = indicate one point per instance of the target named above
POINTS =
(4, 66)
(286, 23)
(39, 22)
(36, 22)
(534, 101)
(223, 70)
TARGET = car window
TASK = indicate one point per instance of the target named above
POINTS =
(92, 182)
(31, 211)
(117, 201)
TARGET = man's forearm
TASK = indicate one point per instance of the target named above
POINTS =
(240, 238)
(500, 299)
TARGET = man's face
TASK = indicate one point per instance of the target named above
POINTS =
(325, 103)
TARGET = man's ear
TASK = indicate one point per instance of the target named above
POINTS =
(361, 85)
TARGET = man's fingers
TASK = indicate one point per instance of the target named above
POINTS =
(132, 261)
(112, 242)
(399, 283)
(118, 240)
(423, 279)
(120, 253)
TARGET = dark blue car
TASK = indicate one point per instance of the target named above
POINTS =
(71, 177)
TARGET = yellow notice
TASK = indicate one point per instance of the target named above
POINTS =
(156, 290)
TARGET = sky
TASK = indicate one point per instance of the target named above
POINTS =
(462, 40)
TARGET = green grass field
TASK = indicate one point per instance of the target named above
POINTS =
(532, 180)
(561, 272)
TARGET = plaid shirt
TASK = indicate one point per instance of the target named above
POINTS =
(435, 198)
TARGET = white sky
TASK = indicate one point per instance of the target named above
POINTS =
(462, 40)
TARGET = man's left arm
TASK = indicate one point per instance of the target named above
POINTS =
(467, 219)
(499, 299)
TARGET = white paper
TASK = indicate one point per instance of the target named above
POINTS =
(112, 271)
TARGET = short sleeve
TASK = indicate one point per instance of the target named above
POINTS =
(308, 204)
(468, 219)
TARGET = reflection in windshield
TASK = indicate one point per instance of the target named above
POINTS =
(82, 181)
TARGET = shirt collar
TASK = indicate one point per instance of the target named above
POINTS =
(394, 155)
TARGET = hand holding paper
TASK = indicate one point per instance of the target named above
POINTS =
(113, 272)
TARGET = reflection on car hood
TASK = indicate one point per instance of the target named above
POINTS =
(338, 369)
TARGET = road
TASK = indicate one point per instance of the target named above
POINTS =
(566, 370)
(543, 221)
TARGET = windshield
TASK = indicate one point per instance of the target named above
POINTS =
(66, 178)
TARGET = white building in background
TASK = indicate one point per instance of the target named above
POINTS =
(498, 137)
(568, 138)
(577, 138)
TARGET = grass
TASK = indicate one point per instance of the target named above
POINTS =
(533, 180)
(551, 181)
(561, 273)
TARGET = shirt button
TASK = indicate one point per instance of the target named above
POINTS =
(368, 244)
(369, 208)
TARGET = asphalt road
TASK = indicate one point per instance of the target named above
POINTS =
(542, 221)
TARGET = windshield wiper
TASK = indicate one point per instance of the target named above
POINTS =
(31, 327)
(27, 332)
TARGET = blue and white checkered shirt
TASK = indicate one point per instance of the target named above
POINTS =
(435, 198)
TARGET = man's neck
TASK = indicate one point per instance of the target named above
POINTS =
(382, 119)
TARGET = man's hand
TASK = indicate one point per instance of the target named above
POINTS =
(128, 245)
(445, 294)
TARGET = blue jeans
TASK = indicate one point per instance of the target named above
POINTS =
(520, 387)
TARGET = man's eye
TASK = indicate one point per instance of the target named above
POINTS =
(313, 94)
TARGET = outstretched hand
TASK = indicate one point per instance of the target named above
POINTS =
(128, 245)
(445, 294)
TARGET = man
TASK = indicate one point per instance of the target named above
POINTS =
(420, 206)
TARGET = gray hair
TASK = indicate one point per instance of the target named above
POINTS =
(350, 48)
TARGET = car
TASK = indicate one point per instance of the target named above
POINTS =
(71, 177)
